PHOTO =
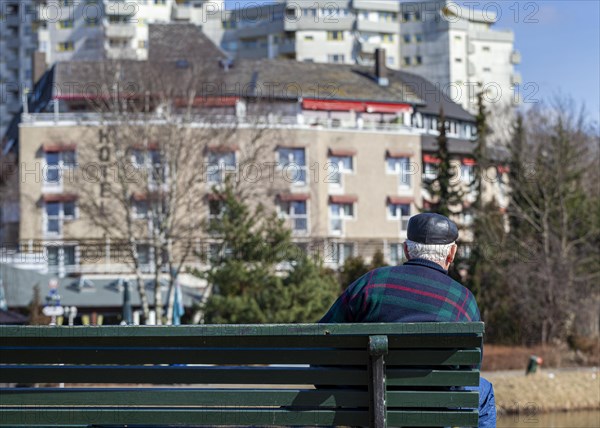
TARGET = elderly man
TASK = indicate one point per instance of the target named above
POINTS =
(420, 290)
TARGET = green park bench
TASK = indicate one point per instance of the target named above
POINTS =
(241, 375)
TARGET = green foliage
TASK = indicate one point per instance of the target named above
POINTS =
(378, 260)
(353, 268)
(446, 198)
(247, 285)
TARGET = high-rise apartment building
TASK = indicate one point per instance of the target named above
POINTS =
(455, 47)
(17, 46)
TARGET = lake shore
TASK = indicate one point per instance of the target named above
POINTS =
(546, 391)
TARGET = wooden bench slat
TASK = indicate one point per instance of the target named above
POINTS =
(245, 330)
(231, 375)
(345, 342)
(235, 397)
(188, 355)
(232, 417)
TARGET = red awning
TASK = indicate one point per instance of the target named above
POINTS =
(59, 147)
(291, 146)
(388, 108)
(342, 152)
(293, 197)
(503, 169)
(431, 159)
(216, 101)
(398, 154)
(359, 106)
(59, 197)
(139, 196)
(398, 200)
(223, 148)
(343, 199)
(140, 146)
(469, 162)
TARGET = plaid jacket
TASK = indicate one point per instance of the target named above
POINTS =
(417, 291)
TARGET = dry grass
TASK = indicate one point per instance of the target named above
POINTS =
(516, 357)
(546, 391)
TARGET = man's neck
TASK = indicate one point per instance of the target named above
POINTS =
(428, 263)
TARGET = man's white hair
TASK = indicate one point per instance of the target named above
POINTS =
(437, 253)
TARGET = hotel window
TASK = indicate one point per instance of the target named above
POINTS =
(430, 171)
(417, 16)
(407, 38)
(387, 16)
(487, 70)
(92, 21)
(399, 212)
(406, 16)
(418, 60)
(396, 255)
(61, 255)
(391, 60)
(140, 209)
(293, 163)
(458, 60)
(402, 167)
(309, 38)
(336, 58)
(338, 165)
(160, 2)
(218, 165)
(335, 35)
(388, 38)
(143, 251)
(486, 48)
(467, 171)
(142, 44)
(55, 163)
(338, 213)
(297, 213)
(65, 47)
(418, 38)
(340, 252)
(57, 213)
(228, 25)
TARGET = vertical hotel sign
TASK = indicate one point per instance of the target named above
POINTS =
(104, 156)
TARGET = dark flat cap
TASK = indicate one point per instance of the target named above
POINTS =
(430, 228)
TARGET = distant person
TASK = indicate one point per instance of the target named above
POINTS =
(420, 290)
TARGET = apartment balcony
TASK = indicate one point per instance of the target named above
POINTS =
(516, 79)
(319, 23)
(119, 7)
(287, 47)
(260, 30)
(12, 20)
(515, 57)
(378, 26)
(380, 5)
(121, 53)
(181, 12)
(119, 31)
(368, 47)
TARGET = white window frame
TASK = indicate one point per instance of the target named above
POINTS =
(291, 160)
(342, 217)
(287, 211)
(397, 214)
(60, 218)
(60, 168)
(430, 171)
(219, 160)
(60, 267)
(396, 254)
(403, 173)
(338, 162)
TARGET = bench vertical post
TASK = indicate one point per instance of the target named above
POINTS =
(378, 348)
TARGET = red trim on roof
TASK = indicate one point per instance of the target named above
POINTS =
(343, 199)
(291, 146)
(469, 161)
(223, 148)
(217, 101)
(431, 159)
(293, 197)
(81, 96)
(359, 106)
(59, 197)
(398, 154)
(139, 196)
(388, 108)
(399, 200)
(342, 152)
(503, 169)
(59, 147)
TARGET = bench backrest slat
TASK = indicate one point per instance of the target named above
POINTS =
(224, 365)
